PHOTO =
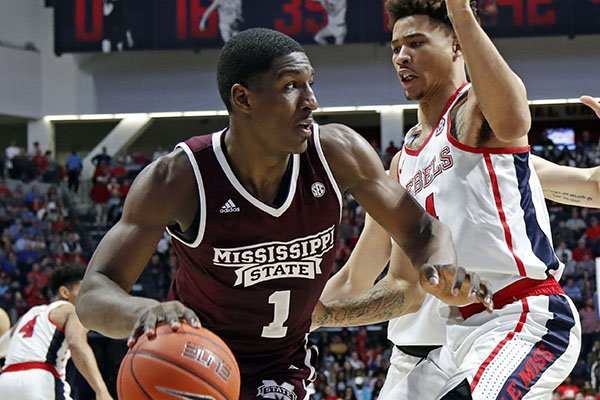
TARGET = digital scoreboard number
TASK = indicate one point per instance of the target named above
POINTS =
(121, 25)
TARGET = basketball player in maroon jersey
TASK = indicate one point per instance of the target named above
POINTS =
(254, 211)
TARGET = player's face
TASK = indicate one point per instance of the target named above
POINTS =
(423, 55)
(73, 292)
(283, 102)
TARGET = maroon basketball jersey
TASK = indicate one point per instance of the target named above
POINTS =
(254, 272)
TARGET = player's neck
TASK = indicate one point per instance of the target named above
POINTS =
(433, 105)
(261, 174)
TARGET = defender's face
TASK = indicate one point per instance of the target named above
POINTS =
(73, 293)
(422, 54)
(283, 102)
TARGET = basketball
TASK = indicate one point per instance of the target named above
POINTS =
(189, 363)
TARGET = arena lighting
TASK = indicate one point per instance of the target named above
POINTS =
(215, 113)
(174, 114)
(555, 101)
(96, 116)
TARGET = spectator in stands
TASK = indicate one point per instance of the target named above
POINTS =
(39, 159)
(563, 234)
(576, 223)
(362, 391)
(563, 249)
(102, 171)
(102, 156)
(100, 196)
(581, 250)
(118, 171)
(572, 290)
(4, 189)
(53, 172)
(71, 244)
(10, 153)
(590, 332)
(74, 165)
(593, 231)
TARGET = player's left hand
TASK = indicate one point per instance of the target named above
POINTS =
(455, 286)
(591, 103)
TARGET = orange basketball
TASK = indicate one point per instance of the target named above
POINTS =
(191, 363)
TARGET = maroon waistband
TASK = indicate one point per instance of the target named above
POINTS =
(32, 365)
(516, 291)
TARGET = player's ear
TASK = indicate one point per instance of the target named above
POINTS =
(240, 98)
(456, 49)
(63, 292)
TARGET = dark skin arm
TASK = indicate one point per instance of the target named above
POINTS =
(164, 193)
(358, 170)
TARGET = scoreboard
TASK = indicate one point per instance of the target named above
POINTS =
(111, 25)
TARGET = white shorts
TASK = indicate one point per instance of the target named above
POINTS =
(522, 351)
(400, 365)
(34, 384)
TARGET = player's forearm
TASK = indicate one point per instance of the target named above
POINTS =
(85, 362)
(105, 307)
(500, 93)
(582, 189)
(425, 239)
(385, 300)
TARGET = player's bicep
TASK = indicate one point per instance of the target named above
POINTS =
(160, 196)
(75, 332)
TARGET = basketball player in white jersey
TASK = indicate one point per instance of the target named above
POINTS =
(336, 22)
(230, 17)
(42, 342)
(415, 335)
(467, 162)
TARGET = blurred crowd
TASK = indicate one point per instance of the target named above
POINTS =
(39, 232)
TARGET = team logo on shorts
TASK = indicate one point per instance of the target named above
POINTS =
(271, 390)
(318, 189)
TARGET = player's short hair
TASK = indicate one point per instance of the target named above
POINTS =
(435, 9)
(249, 54)
(65, 276)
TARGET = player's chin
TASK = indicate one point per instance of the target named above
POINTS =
(300, 147)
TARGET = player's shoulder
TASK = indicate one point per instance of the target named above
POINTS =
(167, 172)
(337, 135)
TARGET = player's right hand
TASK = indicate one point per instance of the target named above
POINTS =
(456, 286)
(170, 312)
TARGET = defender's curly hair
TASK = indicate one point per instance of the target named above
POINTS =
(435, 9)
(249, 54)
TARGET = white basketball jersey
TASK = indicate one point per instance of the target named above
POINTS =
(492, 201)
(38, 339)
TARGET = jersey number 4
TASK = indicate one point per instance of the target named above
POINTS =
(27, 329)
(281, 301)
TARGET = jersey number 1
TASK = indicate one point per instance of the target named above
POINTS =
(430, 206)
(281, 301)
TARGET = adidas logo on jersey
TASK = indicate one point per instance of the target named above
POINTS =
(229, 207)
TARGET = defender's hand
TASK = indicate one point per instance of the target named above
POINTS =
(170, 312)
(591, 103)
(455, 286)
